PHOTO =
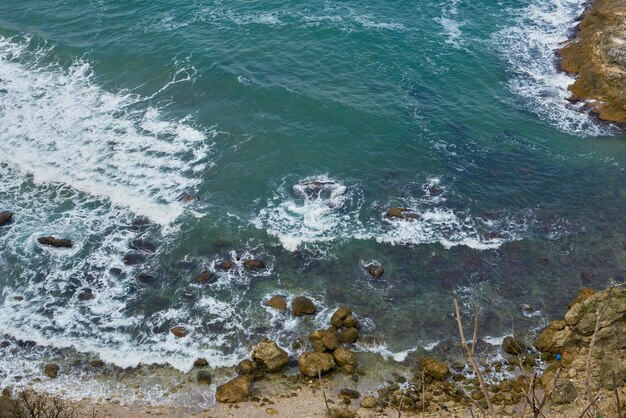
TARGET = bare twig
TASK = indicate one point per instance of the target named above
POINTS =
(400, 405)
(471, 353)
(617, 401)
(589, 407)
(424, 391)
(319, 376)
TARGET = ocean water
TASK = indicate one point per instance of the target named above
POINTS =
(112, 112)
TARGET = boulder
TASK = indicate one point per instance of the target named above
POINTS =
(277, 302)
(254, 264)
(400, 213)
(204, 376)
(179, 332)
(369, 402)
(351, 322)
(312, 363)
(301, 306)
(564, 392)
(349, 335)
(270, 357)
(513, 346)
(375, 270)
(51, 370)
(224, 265)
(438, 370)
(346, 360)
(350, 393)
(206, 277)
(236, 390)
(323, 340)
(55, 242)
(5, 217)
(144, 245)
(85, 294)
(246, 367)
(200, 362)
(339, 316)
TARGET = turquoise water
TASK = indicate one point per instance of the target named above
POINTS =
(112, 111)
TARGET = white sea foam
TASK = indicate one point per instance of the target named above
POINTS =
(529, 47)
(59, 126)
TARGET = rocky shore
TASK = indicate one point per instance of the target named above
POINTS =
(597, 57)
(575, 364)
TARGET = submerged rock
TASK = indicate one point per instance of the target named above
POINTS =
(204, 376)
(224, 265)
(375, 270)
(51, 370)
(85, 294)
(301, 306)
(277, 302)
(55, 242)
(236, 390)
(254, 264)
(206, 277)
(5, 217)
(144, 245)
(179, 332)
(270, 357)
(133, 258)
(313, 363)
(146, 277)
(400, 213)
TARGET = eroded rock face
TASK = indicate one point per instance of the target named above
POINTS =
(301, 306)
(598, 57)
(270, 357)
(234, 391)
(5, 217)
(55, 242)
(312, 363)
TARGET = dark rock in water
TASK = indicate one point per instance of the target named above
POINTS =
(236, 390)
(433, 190)
(277, 302)
(55, 242)
(141, 221)
(179, 332)
(339, 316)
(270, 357)
(85, 294)
(133, 259)
(18, 298)
(96, 364)
(144, 245)
(145, 277)
(254, 264)
(301, 306)
(513, 346)
(116, 272)
(51, 370)
(323, 340)
(375, 270)
(5, 217)
(350, 393)
(312, 363)
(400, 213)
(204, 377)
(206, 277)
(4, 91)
(200, 362)
(187, 197)
(224, 265)
(315, 188)
(349, 335)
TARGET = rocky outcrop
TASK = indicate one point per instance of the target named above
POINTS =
(301, 306)
(236, 390)
(277, 302)
(597, 56)
(254, 264)
(311, 364)
(5, 217)
(270, 357)
(55, 242)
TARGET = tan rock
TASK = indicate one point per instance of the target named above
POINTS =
(436, 369)
(301, 306)
(313, 363)
(323, 340)
(339, 316)
(270, 357)
(236, 390)
(277, 302)
(346, 360)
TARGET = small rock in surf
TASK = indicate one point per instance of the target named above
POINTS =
(55, 242)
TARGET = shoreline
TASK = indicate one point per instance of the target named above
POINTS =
(441, 382)
(596, 57)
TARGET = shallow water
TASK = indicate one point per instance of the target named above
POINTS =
(113, 112)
